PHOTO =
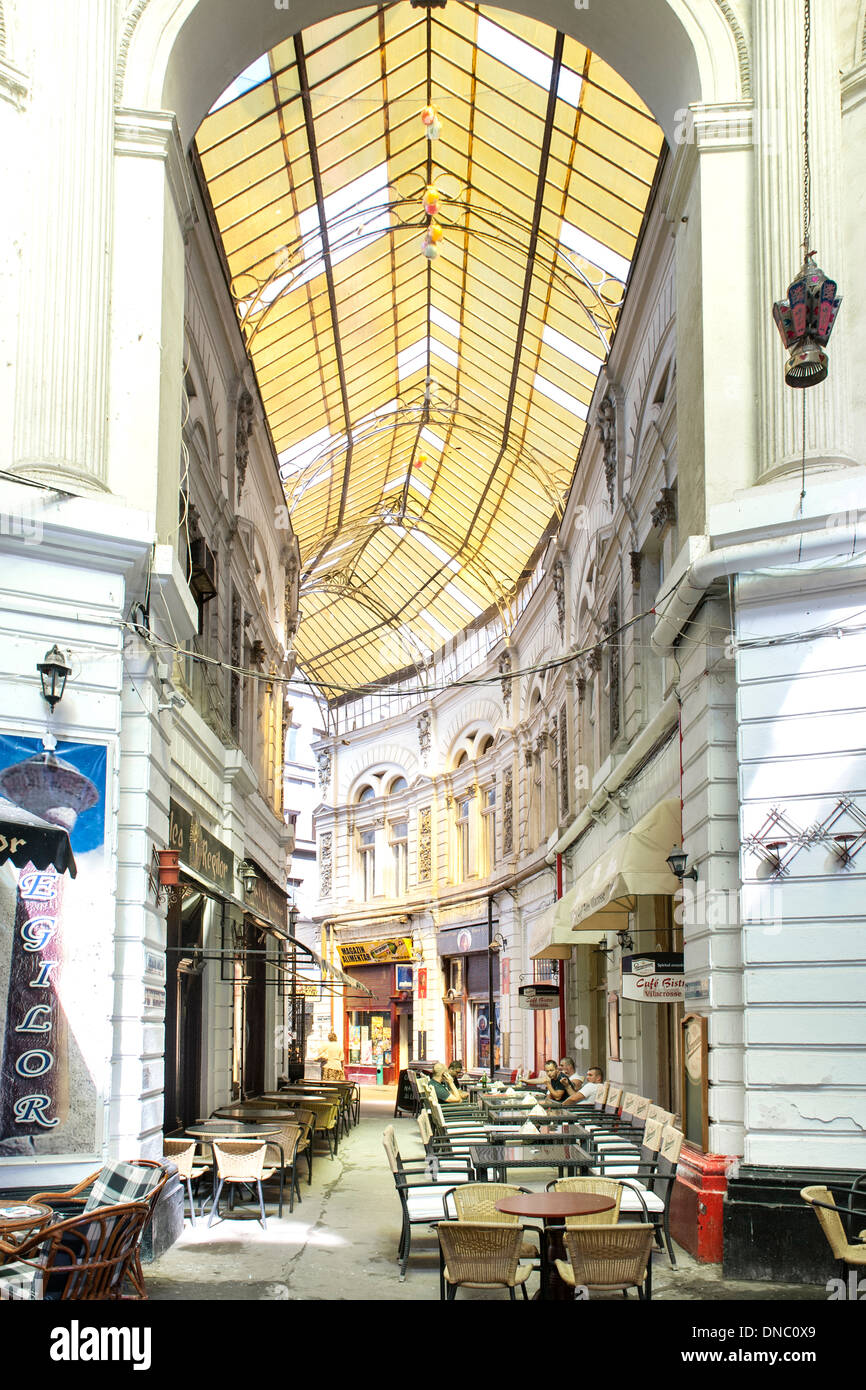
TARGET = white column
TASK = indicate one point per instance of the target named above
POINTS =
(60, 408)
(778, 52)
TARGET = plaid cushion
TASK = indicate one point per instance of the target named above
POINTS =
(122, 1182)
(20, 1281)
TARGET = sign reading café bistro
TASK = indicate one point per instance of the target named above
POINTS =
(653, 979)
(200, 851)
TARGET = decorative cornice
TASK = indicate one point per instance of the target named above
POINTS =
(14, 85)
(705, 129)
(743, 58)
(155, 135)
(135, 9)
(853, 83)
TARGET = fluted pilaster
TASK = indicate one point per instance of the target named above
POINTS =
(60, 407)
(778, 45)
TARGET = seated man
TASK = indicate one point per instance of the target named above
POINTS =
(439, 1080)
(558, 1086)
(588, 1089)
(452, 1076)
(566, 1066)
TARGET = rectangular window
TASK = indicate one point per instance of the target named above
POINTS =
(367, 845)
(400, 853)
(489, 814)
(464, 860)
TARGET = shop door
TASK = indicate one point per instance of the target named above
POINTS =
(189, 1049)
(254, 1017)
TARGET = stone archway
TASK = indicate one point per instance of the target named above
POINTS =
(178, 55)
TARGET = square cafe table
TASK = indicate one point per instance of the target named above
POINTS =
(565, 1158)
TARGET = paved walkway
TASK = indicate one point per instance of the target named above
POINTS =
(341, 1241)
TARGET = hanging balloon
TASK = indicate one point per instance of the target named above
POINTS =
(428, 115)
(420, 460)
(435, 232)
(431, 251)
(431, 200)
(434, 129)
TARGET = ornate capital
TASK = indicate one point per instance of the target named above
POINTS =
(664, 513)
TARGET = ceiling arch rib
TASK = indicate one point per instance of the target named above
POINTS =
(427, 413)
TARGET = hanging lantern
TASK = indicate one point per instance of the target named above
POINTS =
(805, 321)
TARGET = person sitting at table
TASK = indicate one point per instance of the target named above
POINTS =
(557, 1084)
(443, 1085)
(566, 1066)
(588, 1089)
(453, 1072)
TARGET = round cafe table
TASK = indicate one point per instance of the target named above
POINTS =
(22, 1217)
(209, 1130)
(553, 1208)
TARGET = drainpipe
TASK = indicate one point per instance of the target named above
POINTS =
(777, 553)
(562, 966)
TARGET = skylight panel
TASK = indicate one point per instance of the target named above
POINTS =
(257, 72)
(432, 438)
(434, 624)
(446, 353)
(444, 321)
(530, 62)
(417, 486)
(365, 197)
(411, 358)
(442, 555)
(296, 458)
(593, 251)
(461, 598)
(571, 350)
(555, 393)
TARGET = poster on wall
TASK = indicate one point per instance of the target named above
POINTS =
(55, 939)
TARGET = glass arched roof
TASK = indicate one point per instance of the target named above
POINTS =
(426, 411)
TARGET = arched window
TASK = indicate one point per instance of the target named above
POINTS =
(399, 784)
(366, 794)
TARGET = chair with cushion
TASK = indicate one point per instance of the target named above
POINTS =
(610, 1257)
(115, 1184)
(86, 1256)
(649, 1183)
(242, 1162)
(182, 1154)
(482, 1255)
(421, 1190)
(849, 1254)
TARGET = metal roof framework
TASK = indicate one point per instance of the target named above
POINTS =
(427, 413)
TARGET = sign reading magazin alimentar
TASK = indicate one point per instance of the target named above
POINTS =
(55, 951)
(653, 978)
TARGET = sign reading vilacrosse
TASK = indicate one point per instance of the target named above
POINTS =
(200, 851)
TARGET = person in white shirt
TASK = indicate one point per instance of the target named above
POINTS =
(588, 1089)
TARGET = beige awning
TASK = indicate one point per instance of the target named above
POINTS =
(604, 895)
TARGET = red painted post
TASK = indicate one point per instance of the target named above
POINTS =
(697, 1203)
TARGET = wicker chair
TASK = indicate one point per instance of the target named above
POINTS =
(328, 1123)
(239, 1162)
(283, 1152)
(482, 1255)
(182, 1154)
(306, 1119)
(86, 1256)
(611, 1257)
(117, 1183)
(600, 1187)
(848, 1254)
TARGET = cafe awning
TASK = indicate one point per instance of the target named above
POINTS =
(604, 895)
(26, 838)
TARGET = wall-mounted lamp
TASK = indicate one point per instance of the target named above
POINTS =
(294, 914)
(497, 944)
(248, 875)
(676, 862)
(53, 672)
(624, 941)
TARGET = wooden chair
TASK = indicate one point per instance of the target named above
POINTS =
(611, 1257)
(482, 1255)
(86, 1256)
(240, 1162)
(117, 1183)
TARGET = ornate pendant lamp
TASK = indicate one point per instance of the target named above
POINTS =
(805, 319)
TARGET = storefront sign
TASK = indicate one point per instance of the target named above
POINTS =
(54, 955)
(422, 983)
(199, 850)
(267, 901)
(538, 996)
(464, 941)
(653, 979)
(375, 952)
